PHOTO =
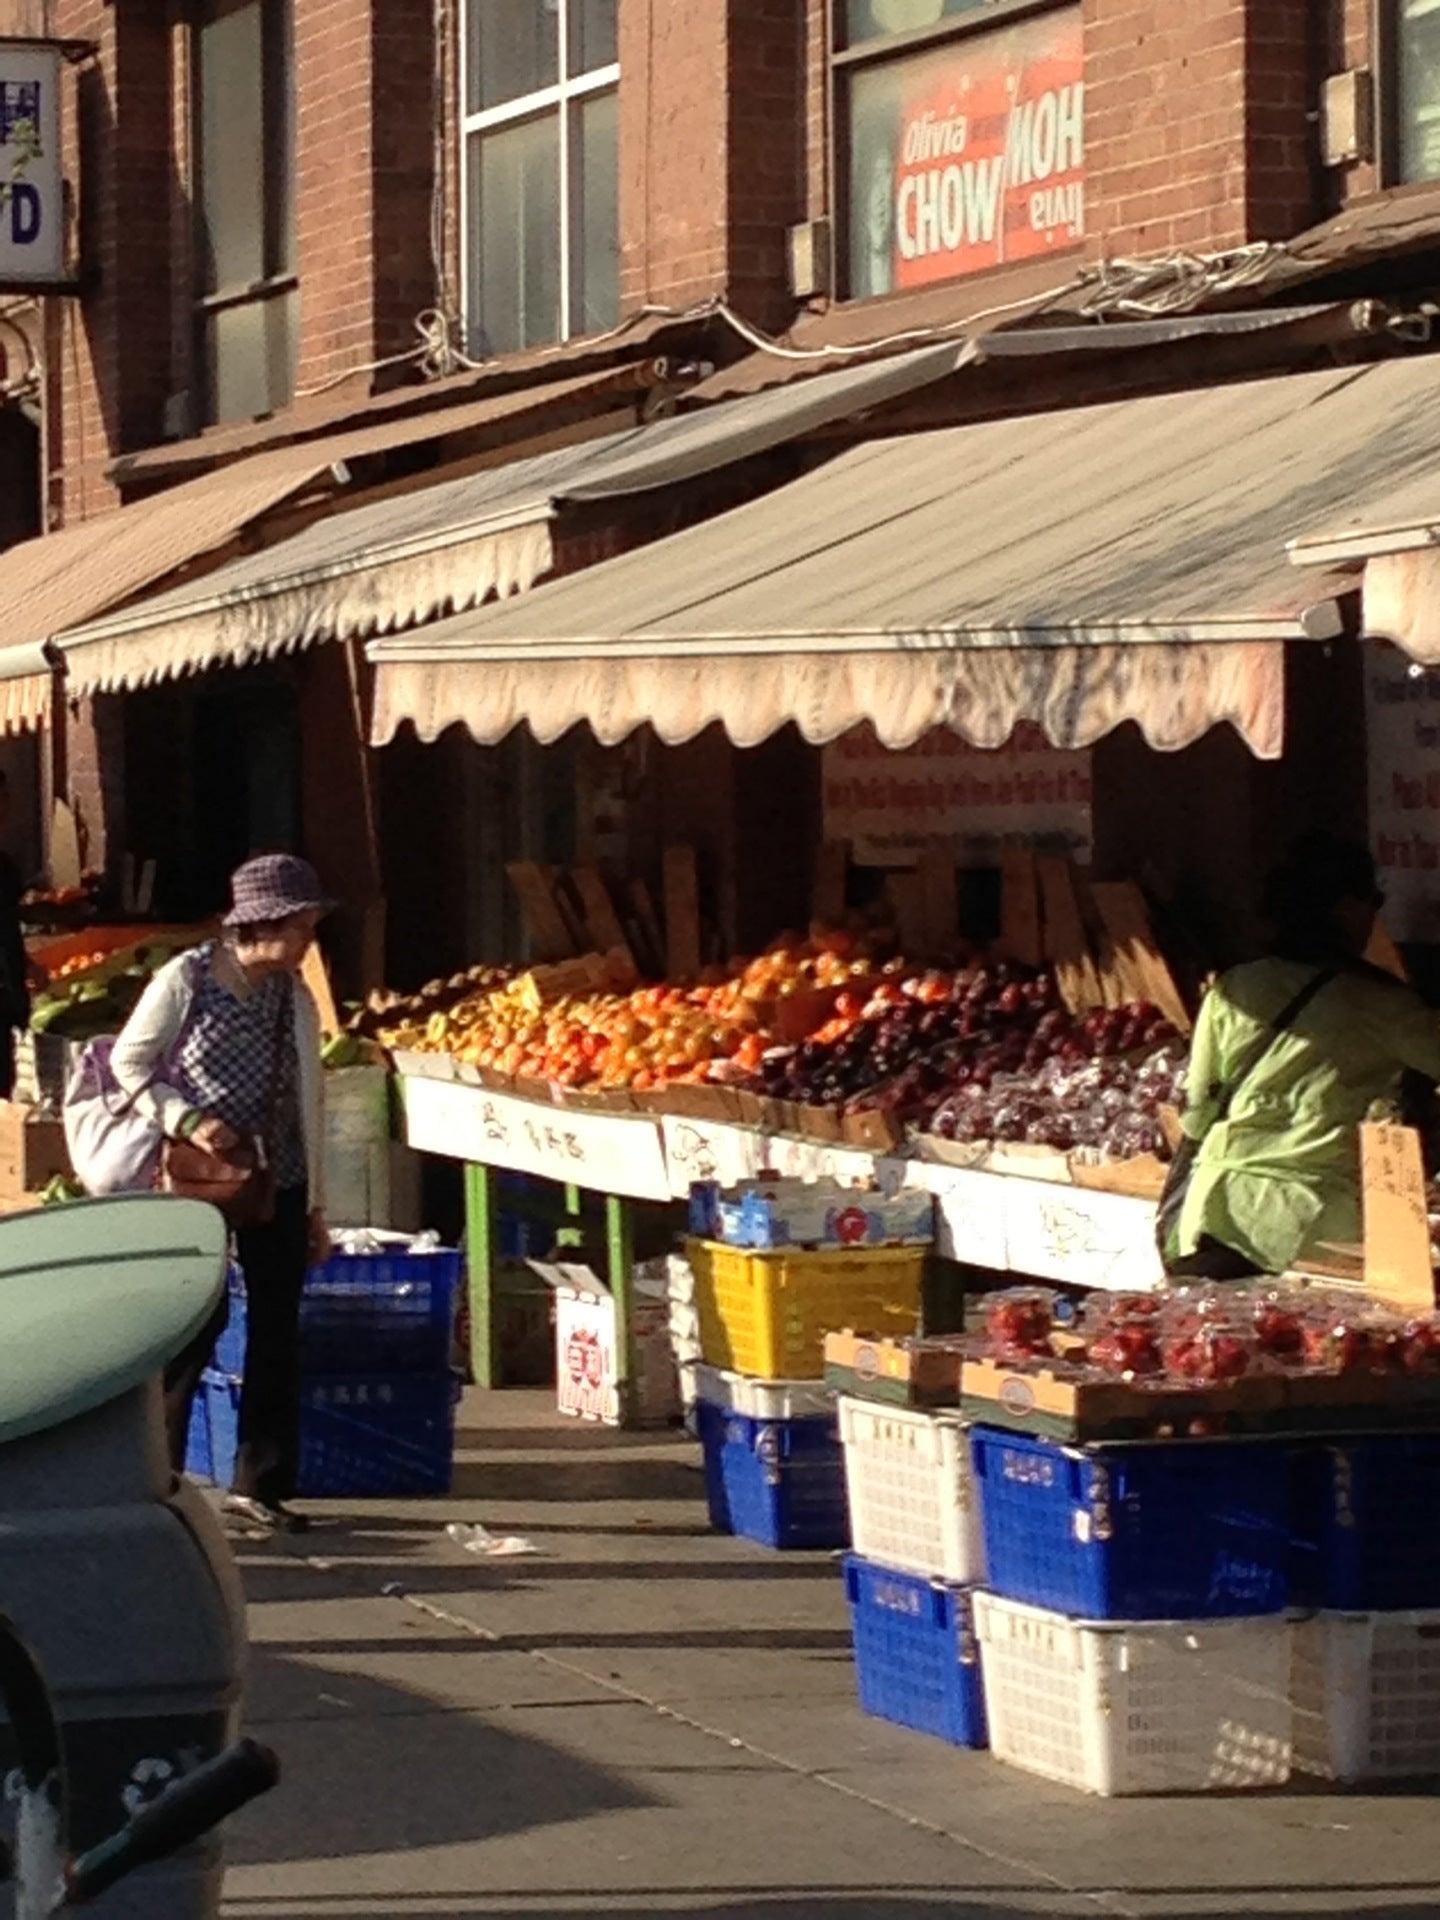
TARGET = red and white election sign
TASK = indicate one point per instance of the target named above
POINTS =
(981, 146)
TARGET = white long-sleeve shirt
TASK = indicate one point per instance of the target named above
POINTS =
(158, 1022)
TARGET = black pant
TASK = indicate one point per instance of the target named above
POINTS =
(273, 1258)
(1213, 1260)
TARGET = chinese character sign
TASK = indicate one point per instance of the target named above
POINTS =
(969, 157)
(32, 211)
(1402, 712)
(890, 805)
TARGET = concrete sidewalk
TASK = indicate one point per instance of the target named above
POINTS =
(652, 1719)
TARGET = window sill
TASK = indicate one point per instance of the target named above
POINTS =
(269, 289)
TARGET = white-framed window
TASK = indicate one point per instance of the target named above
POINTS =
(246, 292)
(539, 100)
(1410, 67)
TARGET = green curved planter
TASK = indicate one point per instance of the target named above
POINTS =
(96, 1297)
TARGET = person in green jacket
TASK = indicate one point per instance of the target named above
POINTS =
(1277, 1175)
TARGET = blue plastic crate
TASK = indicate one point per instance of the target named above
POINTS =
(229, 1354)
(214, 1428)
(377, 1435)
(380, 1313)
(1154, 1532)
(1364, 1529)
(917, 1660)
(199, 1452)
(370, 1435)
(779, 1482)
(364, 1313)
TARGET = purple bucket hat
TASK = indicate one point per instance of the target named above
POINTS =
(272, 887)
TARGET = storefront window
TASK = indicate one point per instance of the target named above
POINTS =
(246, 300)
(1417, 107)
(876, 19)
(541, 171)
(963, 151)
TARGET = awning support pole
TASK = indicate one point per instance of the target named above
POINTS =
(481, 1242)
(620, 1243)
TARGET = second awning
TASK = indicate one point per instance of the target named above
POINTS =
(1074, 569)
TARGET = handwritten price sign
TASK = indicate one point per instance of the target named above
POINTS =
(1085, 1239)
(606, 1152)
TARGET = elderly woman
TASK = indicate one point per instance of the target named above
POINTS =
(224, 1048)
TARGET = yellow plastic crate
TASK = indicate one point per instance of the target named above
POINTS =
(767, 1314)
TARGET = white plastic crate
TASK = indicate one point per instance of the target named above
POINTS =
(763, 1399)
(912, 1493)
(1366, 1694)
(1127, 1708)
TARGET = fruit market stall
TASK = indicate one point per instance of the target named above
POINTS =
(1027, 1096)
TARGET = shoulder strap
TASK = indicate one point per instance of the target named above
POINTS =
(1281, 1024)
(284, 1025)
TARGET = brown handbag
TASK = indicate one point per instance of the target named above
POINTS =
(237, 1181)
(240, 1182)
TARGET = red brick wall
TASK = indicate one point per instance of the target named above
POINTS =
(711, 151)
(366, 105)
(110, 375)
(1196, 128)
(1352, 44)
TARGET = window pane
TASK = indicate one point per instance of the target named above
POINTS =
(250, 358)
(514, 191)
(514, 49)
(594, 155)
(966, 156)
(280, 134)
(1420, 90)
(592, 42)
(231, 157)
(873, 19)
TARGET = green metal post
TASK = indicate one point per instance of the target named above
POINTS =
(620, 1244)
(481, 1246)
(570, 1234)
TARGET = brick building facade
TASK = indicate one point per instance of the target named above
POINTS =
(533, 171)
(1202, 132)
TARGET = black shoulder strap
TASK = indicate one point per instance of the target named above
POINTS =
(1282, 1023)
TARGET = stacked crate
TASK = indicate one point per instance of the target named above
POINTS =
(772, 1275)
(1132, 1625)
(1365, 1674)
(378, 1389)
(912, 1577)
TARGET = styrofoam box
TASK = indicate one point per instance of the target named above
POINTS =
(680, 1281)
(1131, 1708)
(585, 1360)
(1365, 1688)
(763, 1399)
(911, 1490)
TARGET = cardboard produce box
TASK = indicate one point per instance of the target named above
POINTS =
(32, 1150)
(902, 1371)
(1059, 1405)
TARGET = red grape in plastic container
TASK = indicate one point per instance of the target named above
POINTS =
(1019, 1321)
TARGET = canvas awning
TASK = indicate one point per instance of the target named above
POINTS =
(1394, 535)
(1074, 569)
(49, 582)
(446, 547)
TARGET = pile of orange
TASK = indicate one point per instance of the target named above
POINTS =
(657, 1036)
